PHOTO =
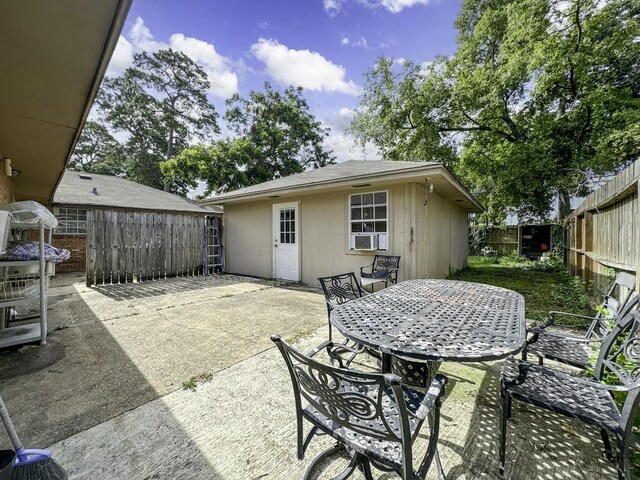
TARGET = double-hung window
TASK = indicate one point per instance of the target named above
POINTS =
(368, 221)
(71, 221)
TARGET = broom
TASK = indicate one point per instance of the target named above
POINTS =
(28, 464)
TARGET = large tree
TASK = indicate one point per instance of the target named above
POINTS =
(161, 104)
(540, 101)
(274, 135)
(97, 151)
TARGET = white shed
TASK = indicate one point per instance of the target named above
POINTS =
(335, 219)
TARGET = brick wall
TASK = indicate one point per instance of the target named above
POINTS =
(7, 194)
(76, 244)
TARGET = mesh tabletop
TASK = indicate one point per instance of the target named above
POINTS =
(441, 320)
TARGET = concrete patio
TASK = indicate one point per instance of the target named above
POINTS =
(106, 393)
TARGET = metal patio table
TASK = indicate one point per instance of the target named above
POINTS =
(417, 324)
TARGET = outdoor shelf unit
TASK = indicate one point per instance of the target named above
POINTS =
(24, 287)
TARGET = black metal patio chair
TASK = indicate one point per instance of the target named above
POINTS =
(584, 399)
(339, 289)
(619, 294)
(569, 349)
(370, 415)
(384, 268)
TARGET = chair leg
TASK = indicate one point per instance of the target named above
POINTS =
(623, 460)
(366, 469)
(321, 457)
(504, 414)
(350, 469)
(541, 361)
(607, 445)
(524, 352)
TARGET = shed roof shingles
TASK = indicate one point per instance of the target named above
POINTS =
(349, 170)
(119, 193)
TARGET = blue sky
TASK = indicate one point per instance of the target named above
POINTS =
(325, 46)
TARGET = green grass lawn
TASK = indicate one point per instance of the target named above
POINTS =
(545, 285)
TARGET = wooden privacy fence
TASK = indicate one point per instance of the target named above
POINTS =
(602, 235)
(123, 246)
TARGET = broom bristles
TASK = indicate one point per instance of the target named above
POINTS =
(46, 469)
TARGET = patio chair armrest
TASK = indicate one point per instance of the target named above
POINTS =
(555, 313)
(433, 395)
(327, 344)
(541, 331)
(523, 369)
(370, 267)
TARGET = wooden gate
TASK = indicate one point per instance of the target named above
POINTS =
(125, 246)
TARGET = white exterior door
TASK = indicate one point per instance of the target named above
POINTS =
(286, 241)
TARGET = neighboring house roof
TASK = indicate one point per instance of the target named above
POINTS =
(54, 58)
(90, 189)
(356, 173)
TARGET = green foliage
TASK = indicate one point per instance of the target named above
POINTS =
(543, 290)
(557, 241)
(97, 151)
(161, 105)
(541, 98)
(275, 136)
(552, 263)
(478, 235)
(192, 382)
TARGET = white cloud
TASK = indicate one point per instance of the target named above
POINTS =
(122, 57)
(263, 25)
(396, 6)
(345, 148)
(344, 145)
(332, 7)
(142, 38)
(355, 42)
(224, 82)
(303, 68)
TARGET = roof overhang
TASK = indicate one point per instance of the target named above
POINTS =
(54, 58)
(445, 185)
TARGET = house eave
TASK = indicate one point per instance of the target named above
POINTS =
(421, 174)
(59, 53)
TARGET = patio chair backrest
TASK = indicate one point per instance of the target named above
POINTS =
(339, 289)
(619, 362)
(614, 303)
(386, 263)
(370, 405)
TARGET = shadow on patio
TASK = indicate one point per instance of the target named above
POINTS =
(82, 378)
(540, 444)
(176, 285)
(103, 364)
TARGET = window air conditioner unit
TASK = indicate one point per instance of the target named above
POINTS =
(365, 242)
